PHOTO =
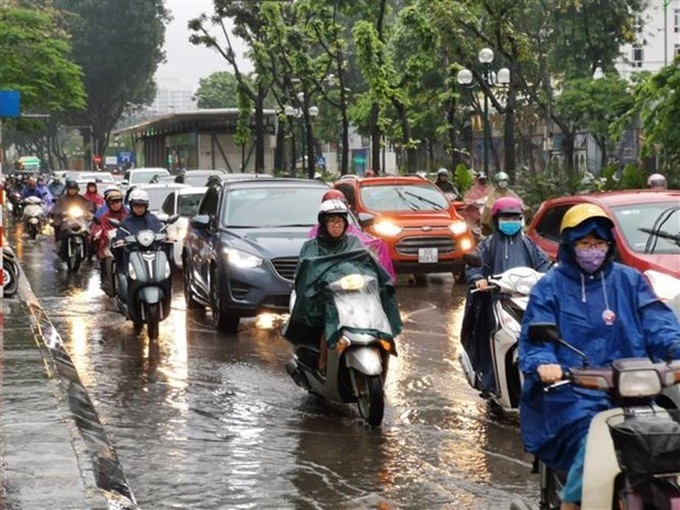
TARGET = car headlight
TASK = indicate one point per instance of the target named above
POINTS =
(386, 228)
(639, 383)
(146, 238)
(241, 258)
(664, 285)
(458, 228)
(75, 212)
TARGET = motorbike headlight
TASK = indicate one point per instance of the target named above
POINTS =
(181, 232)
(351, 282)
(146, 238)
(76, 212)
(242, 259)
(386, 228)
(458, 228)
(167, 272)
(639, 383)
(665, 286)
(131, 272)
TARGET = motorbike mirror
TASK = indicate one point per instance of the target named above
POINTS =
(543, 332)
(163, 217)
(172, 219)
(366, 219)
(96, 221)
(114, 222)
(202, 221)
(473, 260)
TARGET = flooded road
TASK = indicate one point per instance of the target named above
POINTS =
(207, 420)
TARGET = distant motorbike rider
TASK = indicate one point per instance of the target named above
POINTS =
(69, 199)
(114, 200)
(474, 199)
(32, 189)
(102, 209)
(657, 182)
(56, 187)
(140, 218)
(93, 195)
(507, 247)
(444, 184)
(500, 190)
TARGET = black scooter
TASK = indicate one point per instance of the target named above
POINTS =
(74, 237)
(10, 273)
(144, 291)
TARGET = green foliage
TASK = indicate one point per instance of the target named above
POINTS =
(463, 178)
(35, 58)
(609, 178)
(219, 90)
(633, 177)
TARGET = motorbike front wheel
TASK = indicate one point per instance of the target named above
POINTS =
(153, 319)
(9, 279)
(33, 230)
(370, 398)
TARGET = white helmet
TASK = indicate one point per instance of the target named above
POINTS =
(443, 171)
(334, 206)
(139, 196)
(656, 180)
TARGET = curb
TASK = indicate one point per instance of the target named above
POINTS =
(105, 475)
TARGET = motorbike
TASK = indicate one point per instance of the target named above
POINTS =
(107, 264)
(632, 457)
(471, 211)
(34, 217)
(144, 291)
(74, 237)
(14, 204)
(512, 287)
(10, 273)
(357, 368)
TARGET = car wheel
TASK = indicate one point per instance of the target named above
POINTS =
(191, 303)
(222, 320)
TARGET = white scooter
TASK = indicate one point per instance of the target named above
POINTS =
(512, 287)
(34, 217)
(632, 458)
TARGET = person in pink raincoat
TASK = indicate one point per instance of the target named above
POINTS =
(375, 245)
(474, 200)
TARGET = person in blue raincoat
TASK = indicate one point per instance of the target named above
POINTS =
(605, 309)
(505, 249)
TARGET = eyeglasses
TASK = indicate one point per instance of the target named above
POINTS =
(115, 201)
(584, 245)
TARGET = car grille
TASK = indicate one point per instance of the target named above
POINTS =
(411, 245)
(285, 267)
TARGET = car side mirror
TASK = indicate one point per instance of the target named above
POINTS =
(543, 332)
(366, 219)
(201, 222)
(124, 183)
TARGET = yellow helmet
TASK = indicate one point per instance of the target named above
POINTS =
(581, 212)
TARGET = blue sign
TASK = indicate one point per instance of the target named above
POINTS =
(125, 158)
(10, 101)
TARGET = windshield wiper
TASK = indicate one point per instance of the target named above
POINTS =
(655, 232)
(437, 206)
(411, 205)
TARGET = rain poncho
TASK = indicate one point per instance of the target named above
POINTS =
(553, 423)
(314, 311)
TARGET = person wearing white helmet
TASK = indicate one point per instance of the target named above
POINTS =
(443, 182)
(657, 181)
(501, 190)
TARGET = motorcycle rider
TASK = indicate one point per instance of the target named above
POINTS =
(505, 249)
(444, 184)
(69, 199)
(657, 182)
(56, 187)
(475, 195)
(114, 201)
(140, 218)
(33, 190)
(605, 309)
(93, 195)
(500, 190)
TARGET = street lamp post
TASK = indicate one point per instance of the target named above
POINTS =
(490, 80)
(298, 113)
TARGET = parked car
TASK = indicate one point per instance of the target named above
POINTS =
(158, 193)
(184, 203)
(636, 214)
(421, 227)
(198, 177)
(242, 247)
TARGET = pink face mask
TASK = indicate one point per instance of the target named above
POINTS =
(590, 259)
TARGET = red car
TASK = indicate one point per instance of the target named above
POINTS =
(636, 215)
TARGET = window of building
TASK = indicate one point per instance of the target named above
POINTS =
(637, 24)
(677, 49)
(638, 56)
(676, 20)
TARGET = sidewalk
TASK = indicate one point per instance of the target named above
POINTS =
(54, 452)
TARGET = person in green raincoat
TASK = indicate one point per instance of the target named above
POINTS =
(329, 256)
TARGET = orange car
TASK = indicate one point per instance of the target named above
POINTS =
(421, 227)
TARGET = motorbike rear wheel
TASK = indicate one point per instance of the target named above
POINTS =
(370, 398)
(73, 262)
(10, 279)
(153, 319)
(32, 230)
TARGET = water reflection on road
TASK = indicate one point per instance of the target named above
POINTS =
(205, 420)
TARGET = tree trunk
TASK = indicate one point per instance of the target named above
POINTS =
(259, 129)
(509, 135)
(376, 136)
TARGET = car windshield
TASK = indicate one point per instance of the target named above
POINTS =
(404, 197)
(157, 197)
(144, 177)
(272, 207)
(633, 217)
(187, 204)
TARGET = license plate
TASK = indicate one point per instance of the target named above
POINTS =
(428, 255)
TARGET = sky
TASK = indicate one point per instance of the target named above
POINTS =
(187, 63)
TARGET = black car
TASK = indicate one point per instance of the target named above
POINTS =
(241, 250)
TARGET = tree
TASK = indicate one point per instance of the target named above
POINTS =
(118, 43)
(35, 59)
(219, 90)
